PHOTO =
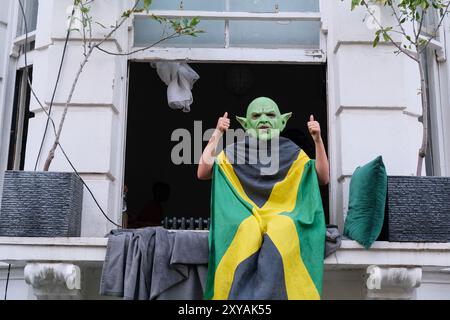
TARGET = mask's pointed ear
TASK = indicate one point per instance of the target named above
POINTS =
(284, 119)
(242, 121)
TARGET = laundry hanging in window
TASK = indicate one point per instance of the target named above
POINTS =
(179, 78)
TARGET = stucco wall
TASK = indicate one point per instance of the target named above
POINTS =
(95, 120)
(373, 103)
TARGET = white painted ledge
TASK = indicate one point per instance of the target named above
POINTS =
(21, 250)
(349, 256)
(383, 253)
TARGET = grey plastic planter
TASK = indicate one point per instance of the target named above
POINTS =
(418, 209)
(41, 204)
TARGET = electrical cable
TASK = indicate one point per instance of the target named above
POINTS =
(56, 83)
(7, 281)
(53, 123)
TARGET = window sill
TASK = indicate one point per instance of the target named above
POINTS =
(382, 253)
(350, 255)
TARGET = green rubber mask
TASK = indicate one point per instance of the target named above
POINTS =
(264, 120)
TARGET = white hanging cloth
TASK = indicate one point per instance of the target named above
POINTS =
(179, 78)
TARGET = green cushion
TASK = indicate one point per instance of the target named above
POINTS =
(367, 200)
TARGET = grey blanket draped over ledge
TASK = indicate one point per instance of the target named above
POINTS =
(153, 263)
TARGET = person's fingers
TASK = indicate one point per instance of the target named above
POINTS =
(311, 118)
(225, 115)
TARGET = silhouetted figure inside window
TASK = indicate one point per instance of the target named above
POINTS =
(153, 212)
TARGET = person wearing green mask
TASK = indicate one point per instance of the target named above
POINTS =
(263, 121)
(260, 217)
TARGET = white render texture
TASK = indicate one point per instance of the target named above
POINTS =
(373, 103)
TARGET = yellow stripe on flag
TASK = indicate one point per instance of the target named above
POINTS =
(280, 228)
(227, 169)
(283, 233)
(280, 200)
(246, 242)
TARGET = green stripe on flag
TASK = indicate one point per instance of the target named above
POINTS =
(309, 219)
(224, 198)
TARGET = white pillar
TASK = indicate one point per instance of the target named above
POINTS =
(54, 281)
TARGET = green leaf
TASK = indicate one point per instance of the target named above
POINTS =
(355, 3)
(376, 40)
(195, 21)
(147, 4)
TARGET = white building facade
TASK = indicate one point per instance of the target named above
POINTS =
(372, 109)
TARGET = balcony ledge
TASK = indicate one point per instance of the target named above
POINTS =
(351, 255)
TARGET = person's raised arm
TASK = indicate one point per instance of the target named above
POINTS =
(204, 171)
(322, 165)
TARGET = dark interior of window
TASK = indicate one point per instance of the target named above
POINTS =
(153, 182)
(19, 120)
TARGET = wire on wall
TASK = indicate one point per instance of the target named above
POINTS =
(49, 119)
(7, 281)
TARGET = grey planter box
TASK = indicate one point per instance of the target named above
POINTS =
(418, 209)
(41, 204)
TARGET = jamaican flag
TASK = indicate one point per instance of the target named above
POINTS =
(267, 232)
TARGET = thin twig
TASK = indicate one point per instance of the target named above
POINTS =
(389, 37)
(436, 30)
(51, 153)
(172, 36)
(398, 20)
(419, 31)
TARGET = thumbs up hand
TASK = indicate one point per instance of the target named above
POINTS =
(314, 129)
(223, 123)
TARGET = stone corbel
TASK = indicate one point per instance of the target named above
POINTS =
(54, 280)
(393, 283)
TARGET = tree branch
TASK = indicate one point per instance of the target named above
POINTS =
(419, 31)
(398, 19)
(389, 37)
(172, 36)
(436, 29)
(51, 153)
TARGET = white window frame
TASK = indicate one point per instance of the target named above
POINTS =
(17, 43)
(231, 55)
(438, 77)
(439, 101)
(437, 45)
(17, 63)
(21, 108)
(234, 54)
(25, 5)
